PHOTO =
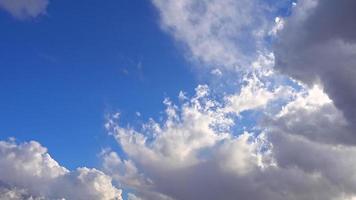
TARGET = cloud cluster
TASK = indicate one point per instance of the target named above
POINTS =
(299, 153)
(29, 172)
(188, 142)
(23, 9)
(318, 44)
(300, 147)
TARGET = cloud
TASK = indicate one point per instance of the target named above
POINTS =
(7, 193)
(197, 154)
(313, 115)
(226, 33)
(23, 9)
(301, 146)
(312, 135)
(176, 149)
(253, 95)
(133, 197)
(318, 44)
(29, 172)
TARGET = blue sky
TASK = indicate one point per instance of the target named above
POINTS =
(63, 72)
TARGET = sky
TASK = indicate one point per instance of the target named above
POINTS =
(60, 76)
(177, 99)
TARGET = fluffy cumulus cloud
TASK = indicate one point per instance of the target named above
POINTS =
(192, 146)
(318, 44)
(29, 172)
(22, 9)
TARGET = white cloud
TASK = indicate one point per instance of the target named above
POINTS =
(16, 194)
(216, 72)
(29, 172)
(313, 115)
(133, 197)
(312, 100)
(226, 33)
(23, 9)
(253, 95)
(279, 25)
(186, 130)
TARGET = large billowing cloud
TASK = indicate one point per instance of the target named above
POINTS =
(318, 44)
(29, 172)
(197, 154)
(23, 9)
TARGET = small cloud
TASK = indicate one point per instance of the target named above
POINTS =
(279, 24)
(47, 57)
(116, 115)
(140, 74)
(216, 72)
(24, 9)
(125, 72)
(182, 96)
(132, 68)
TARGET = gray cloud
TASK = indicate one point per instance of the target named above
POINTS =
(318, 44)
(311, 135)
(22, 9)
